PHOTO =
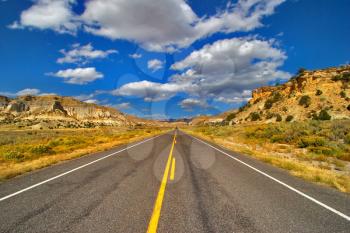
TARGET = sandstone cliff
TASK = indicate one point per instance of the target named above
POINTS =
(319, 94)
(56, 111)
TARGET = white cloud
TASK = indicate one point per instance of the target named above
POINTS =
(191, 103)
(225, 71)
(28, 91)
(91, 101)
(79, 75)
(83, 54)
(49, 14)
(122, 106)
(150, 91)
(166, 25)
(135, 55)
(154, 64)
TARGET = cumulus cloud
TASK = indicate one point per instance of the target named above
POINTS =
(49, 14)
(91, 101)
(191, 103)
(83, 54)
(154, 64)
(150, 91)
(166, 25)
(79, 75)
(135, 55)
(28, 91)
(124, 105)
(224, 71)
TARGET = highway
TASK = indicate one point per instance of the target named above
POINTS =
(170, 183)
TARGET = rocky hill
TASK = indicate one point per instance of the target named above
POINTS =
(320, 94)
(60, 112)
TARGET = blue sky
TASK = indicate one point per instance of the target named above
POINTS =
(169, 58)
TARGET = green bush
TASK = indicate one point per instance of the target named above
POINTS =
(230, 117)
(301, 70)
(323, 115)
(342, 94)
(268, 104)
(305, 101)
(311, 141)
(278, 117)
(254, 116)
(319, 92)
(289, 118)
(41, 149)
(347, 139)
(13, 155)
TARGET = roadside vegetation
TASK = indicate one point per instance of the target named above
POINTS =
(315, 150)
(26, 150)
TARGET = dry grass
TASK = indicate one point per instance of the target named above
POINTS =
(324, 160)
(26, 150)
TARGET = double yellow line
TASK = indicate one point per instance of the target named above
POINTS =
(153, 224)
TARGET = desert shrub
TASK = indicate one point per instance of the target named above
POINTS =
(342, 77)
(230, 117)
(319, 92)
(268, 104)
(41, 149)
(257, 100)
(301, 70)
(342, 94)
(276, 97)
(269, 115)
(278, 117)
(254, 116)
(311, 141)
(347, 139)
(13, 155)
(305, 101)
(289, 118)
(324, 116)
(284, 109)
(322, 150)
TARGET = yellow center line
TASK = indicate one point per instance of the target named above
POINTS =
(153, 224)
(172, 172)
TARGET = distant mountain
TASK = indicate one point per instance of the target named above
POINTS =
(60, 112)
(320, 94)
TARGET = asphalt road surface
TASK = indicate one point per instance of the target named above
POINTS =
(169, 184)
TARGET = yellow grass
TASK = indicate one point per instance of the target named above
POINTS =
(28, 150)
(286, 156)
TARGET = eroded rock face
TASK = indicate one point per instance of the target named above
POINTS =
(17, 107)
(61, 109)
(4, 101)
(57, 106)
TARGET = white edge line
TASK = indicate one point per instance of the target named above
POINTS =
(75, 169)
(278, 181)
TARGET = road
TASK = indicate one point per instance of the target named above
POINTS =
(169, 184)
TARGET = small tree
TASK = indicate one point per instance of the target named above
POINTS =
(268, 104)
(254, 116)
(289, 118)
(278, 117)
(324, 116)
(343, 94)
(319, 92)
(305, 101)
(301, 70)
